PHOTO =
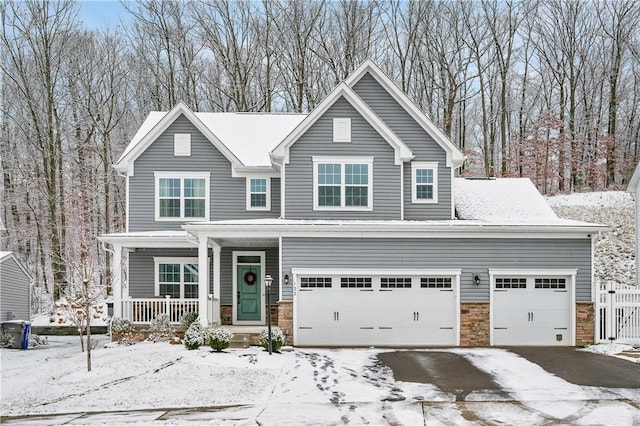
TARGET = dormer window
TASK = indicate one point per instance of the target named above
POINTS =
(424, 182)
(182, 196)
(342, 130)
(182, 144)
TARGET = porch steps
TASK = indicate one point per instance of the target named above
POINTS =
(240, 340)
(244, 336)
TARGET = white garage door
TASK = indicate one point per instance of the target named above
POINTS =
(532, 310)
(384, 310)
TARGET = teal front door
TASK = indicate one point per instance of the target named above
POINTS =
(249, 306)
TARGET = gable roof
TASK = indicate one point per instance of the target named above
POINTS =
(635, 180)
(149, 132)
(402, 152)
(6, 255)
(454, 156)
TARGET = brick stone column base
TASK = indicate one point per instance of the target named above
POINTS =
(285, 319)
(585, 323)
(474, 324)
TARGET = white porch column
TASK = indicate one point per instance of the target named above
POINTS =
(216, 283)
(203, 279)
(116, 280)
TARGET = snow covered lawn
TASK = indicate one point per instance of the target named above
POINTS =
(306, 386)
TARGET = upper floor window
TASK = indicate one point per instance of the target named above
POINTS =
(344, 183)
(342, 130)
(424, 182)
(177, 277)
(258, 194)
(182, 196)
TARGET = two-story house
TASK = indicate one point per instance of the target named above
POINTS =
(355, 213)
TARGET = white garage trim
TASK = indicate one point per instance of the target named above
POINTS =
(541, 273)
(376, 274)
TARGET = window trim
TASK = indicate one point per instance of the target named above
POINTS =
(157, 261)
(182, 176)
(248, 192)
(421, 165)
(342, 161)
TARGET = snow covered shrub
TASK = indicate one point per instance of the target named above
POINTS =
(121, 325)
(161, 330)
(6, 339)
(188, 319)
(277, 339)
(194, 337)
(219, 338)
(35, 340)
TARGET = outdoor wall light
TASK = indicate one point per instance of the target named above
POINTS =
(286, 279)
(476, 279)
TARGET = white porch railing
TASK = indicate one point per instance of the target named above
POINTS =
(142, 311)
(618, 313)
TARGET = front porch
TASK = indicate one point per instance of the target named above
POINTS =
(175, 272)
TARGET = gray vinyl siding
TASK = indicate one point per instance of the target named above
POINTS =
(422, 145)
(227, 194)
(318, 141)
(473, 256)
(272, 266)
(142, 273)
(14, 291)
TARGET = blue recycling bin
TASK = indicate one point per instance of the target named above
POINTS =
(25, 335)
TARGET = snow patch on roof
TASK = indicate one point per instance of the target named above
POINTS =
(4, 254)
(504, 200)
(249, 136)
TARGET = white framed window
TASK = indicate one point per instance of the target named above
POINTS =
(182, 144)
(424, 182)
(342, 183)
(176, 277)
(342, 130)
(181, 196)
(258, 193)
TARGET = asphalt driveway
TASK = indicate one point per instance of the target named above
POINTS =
(453, 373)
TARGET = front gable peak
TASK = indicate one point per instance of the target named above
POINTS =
(403, 153)
(157, 123)
(454, 156)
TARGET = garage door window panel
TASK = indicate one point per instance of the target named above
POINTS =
(511, 283)
(395, 282)
(315, 282)
(355, 282)
(435, 282)
(551, 283)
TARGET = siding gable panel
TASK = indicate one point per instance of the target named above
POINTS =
(227, 194)
(318, 141)
(421, 143)
(14, 291)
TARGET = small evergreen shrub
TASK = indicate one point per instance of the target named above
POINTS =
(35, 340)
(194, 337)
(125, 329)
(6, 339)
(188, 319)
(121, 325)
(219, 338)
(161, 329)
(277, 339)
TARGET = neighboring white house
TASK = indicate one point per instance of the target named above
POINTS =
(634, 188)
(14, 288)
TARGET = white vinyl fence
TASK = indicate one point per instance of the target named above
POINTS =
(618, 313)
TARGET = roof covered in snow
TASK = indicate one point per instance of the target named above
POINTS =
(504, 200)
(249, 136)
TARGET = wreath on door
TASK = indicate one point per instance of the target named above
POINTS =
(249, 278)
